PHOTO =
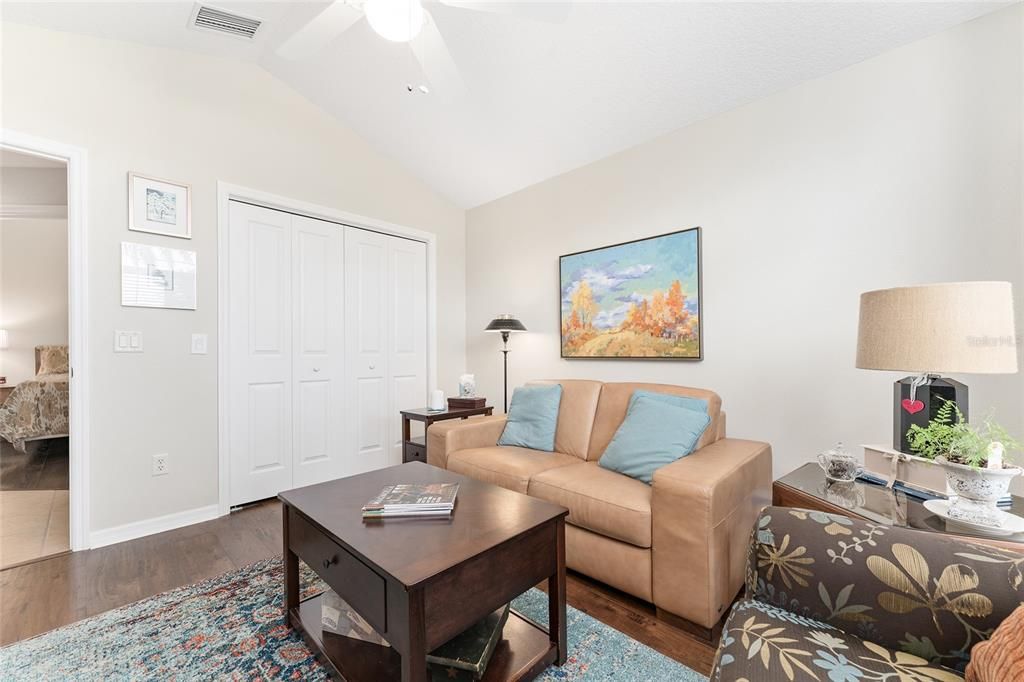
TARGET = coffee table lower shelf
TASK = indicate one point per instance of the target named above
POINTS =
(523, 653)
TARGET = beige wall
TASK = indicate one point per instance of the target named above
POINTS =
(34, 186)
(33, 291)
(904, 169)
(194, 119)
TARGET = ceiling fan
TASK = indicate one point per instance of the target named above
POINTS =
(407, 21)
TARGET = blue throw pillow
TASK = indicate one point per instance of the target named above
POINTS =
(532, 417)
(698, 404)
(653, 434)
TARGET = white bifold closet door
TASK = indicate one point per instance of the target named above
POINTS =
(318, 351)
(386, 300)
(327, 341)
(260, 352)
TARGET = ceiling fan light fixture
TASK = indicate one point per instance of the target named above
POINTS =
(396, 20)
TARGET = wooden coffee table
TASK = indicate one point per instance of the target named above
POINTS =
(420, 582)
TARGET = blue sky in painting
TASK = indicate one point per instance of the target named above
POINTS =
(621, 275)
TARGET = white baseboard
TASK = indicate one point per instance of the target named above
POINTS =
(159, 524)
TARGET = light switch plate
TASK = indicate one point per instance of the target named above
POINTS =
(127, 341)
(199, 344)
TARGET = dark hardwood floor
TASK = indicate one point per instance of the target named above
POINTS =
(38, 597)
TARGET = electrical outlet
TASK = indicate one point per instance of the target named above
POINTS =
(160, 464)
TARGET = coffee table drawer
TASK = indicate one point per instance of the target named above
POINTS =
(353, 580)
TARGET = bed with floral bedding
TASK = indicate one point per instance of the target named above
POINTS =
(834, 598)
(38, 408)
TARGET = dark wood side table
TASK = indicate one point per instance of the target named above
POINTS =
(5, 392)
(420, 582)
(415, 449)
(807, 488)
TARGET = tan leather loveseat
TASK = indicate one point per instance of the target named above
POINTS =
(680, 543)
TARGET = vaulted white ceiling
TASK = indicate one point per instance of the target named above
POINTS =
(541, 98)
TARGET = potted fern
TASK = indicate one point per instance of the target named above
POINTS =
(972, 458)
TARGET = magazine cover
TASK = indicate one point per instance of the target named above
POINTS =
(438, 495)
(341, 619)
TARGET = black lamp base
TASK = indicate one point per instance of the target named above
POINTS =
(923, 407)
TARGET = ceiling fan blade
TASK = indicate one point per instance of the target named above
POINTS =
(537, 10)
(334, 20)
(436, 61)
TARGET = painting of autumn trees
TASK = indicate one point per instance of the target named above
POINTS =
(639, 299)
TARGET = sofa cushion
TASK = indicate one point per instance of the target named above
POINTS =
(533, 417)
(765, 642)
(508, 466)
(696, 404)
(575, 414)
(615, 397)
(600, 500)
(653, 434)
(623, 566)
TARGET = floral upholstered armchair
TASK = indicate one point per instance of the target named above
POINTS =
(833, 598)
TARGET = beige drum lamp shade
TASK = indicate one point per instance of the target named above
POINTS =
(957, 327)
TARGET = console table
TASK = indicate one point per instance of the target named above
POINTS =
(807, 488)
(415, 449)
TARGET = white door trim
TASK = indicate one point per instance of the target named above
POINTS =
(78, 322)
(225, 193)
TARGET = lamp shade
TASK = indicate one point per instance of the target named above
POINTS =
(4, 341)
(957, 327)
(505, 323)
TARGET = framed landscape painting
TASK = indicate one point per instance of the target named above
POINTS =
(639, 299)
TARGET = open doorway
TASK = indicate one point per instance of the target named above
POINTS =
(34, 358)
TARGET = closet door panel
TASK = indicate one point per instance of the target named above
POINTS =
(407, 346)
(260, 420)
(366, 266)
(312, 428)
(268, 433)
(318, 340)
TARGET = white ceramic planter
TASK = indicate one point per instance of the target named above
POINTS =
(976, 491)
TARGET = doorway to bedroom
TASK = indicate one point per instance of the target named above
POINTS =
(34, 368)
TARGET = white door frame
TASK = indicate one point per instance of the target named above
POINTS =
(78, 322)
(227, 192)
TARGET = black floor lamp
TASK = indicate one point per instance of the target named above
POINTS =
(506, 324)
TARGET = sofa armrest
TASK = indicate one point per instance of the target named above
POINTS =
(703, 507)
(444, 438)
(857, 576)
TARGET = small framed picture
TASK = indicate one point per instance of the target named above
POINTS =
(159, 206)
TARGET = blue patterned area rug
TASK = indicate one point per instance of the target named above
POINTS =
(230, 628)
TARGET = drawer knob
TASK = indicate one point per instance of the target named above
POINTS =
(328, 562)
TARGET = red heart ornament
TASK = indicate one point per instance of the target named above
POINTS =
(912, 406)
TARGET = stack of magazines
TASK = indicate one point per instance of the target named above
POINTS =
(412, 499)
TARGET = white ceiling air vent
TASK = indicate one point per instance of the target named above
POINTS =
(208, 18)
